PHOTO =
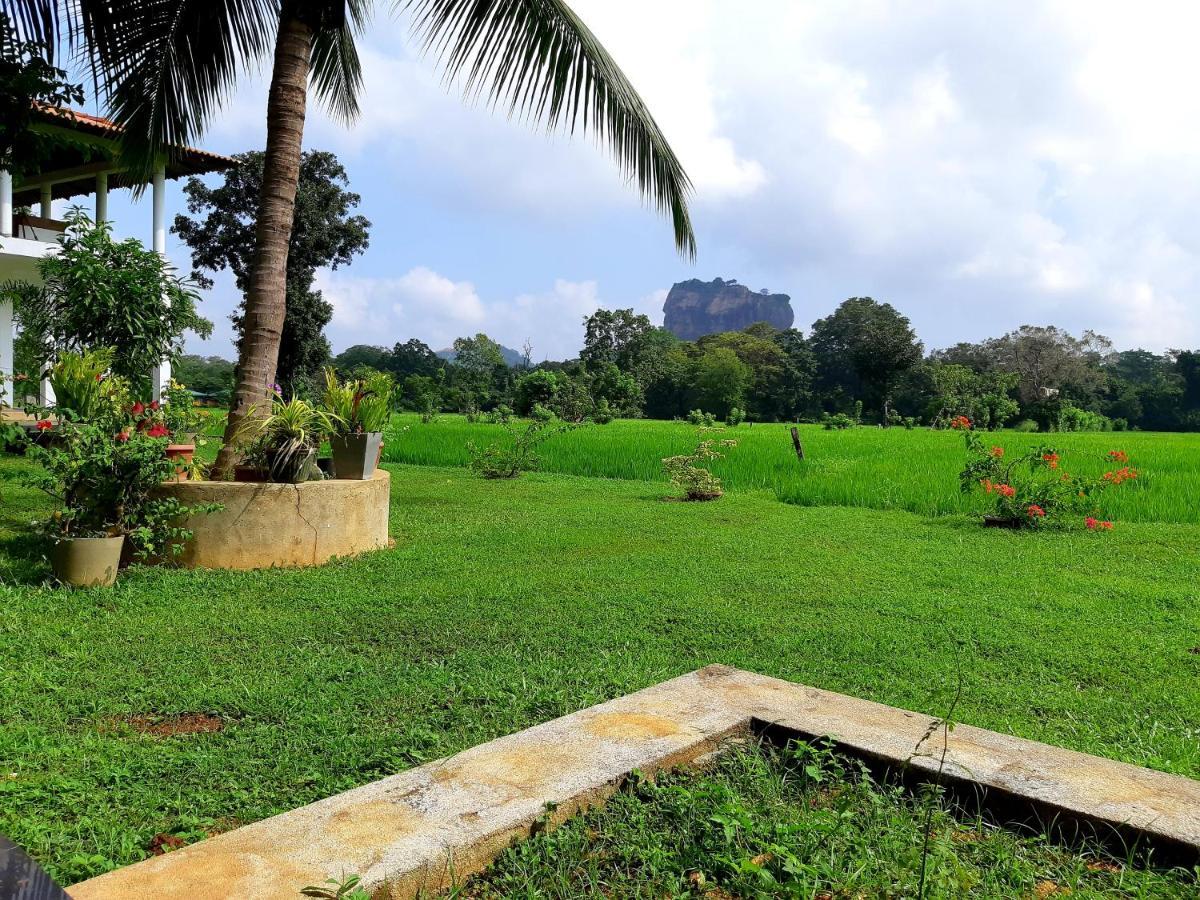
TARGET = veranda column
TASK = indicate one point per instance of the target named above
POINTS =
(45, 392)
(160, 378)
(6, 309)
(101, 197)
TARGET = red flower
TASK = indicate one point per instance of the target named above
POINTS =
(1119, 456)
(960, 423)
(1006, 490)
(997, 452)
(154, 405)
(988, 487)
(1051, 459)
(158, 429)
(1035, 511)
(138, 408)
(1107, 526)
(121, 436)
(1091, 522)
(99, 376)
(44, 425)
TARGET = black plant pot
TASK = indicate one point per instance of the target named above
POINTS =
(354, 455)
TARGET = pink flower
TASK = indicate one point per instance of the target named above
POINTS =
(138, 408)
(1092, 523)
(158, 429)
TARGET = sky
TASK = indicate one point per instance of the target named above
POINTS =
(978, 165)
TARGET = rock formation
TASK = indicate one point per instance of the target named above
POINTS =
(695, 308)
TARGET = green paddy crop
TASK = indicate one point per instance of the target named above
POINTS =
(874, 468)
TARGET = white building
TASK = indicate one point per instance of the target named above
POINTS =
(84, 164)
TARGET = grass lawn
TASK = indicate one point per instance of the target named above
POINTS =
(504, 604)
(798, 823)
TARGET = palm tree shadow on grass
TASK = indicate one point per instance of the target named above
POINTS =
(23, 559)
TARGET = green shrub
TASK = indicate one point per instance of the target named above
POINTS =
(736, 417)
(837, 422)
(697, 482)
(1026, 426)
(701, 418)
(501, 460)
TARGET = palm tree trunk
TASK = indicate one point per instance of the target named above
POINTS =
(266, 295)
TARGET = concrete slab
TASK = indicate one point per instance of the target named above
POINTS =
(424, 828)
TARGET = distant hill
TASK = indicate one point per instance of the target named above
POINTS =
(695, 308)
(511, 357)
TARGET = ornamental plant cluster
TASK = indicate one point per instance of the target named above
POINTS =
(102, 458)
(1032, 489)
(688, 473)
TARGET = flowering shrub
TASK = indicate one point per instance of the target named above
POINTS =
(179, 411)
(1032, 490)
(103, 475)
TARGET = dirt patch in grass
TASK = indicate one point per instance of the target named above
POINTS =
(177, 725)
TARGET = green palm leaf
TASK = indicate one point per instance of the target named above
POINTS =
(537, 58)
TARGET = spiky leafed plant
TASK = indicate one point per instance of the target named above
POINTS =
(165, 66)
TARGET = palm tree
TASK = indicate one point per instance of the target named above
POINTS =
(165, 66)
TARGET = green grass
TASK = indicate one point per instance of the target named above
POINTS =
(504, 604)
(868, 467)
(799, 823)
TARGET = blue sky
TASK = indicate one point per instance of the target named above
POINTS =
(978, 165)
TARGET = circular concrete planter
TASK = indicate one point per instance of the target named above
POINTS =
(265, 525)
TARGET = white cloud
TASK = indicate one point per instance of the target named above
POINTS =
(978, 165)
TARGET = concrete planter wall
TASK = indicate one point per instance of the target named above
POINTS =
(264, 525)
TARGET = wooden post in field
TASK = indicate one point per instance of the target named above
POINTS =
(796, 443)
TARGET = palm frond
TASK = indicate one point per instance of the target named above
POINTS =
(540, 60)
(336, 70)
(166, 66)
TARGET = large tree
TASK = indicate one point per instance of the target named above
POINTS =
(166, 66)
(863, 349)
(325, 233)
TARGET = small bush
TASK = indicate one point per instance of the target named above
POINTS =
(1026, 426)
(736, 417)
(697, 482)
(602, 414)
(701, 418)
(498, 460)
(837, 422)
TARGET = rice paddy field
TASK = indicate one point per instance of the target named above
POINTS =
(915, 470)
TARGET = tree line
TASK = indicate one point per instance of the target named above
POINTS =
(863, 363)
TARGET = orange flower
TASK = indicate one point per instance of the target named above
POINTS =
(988, 487)
(1051, 459)
(1119, 456)
(997, 452)
(1006, 490)
(1035, 511)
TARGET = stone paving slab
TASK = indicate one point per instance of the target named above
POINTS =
(422, 829)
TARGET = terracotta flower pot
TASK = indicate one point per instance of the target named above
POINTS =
(355, 456)
(87, 562)
(181, 455)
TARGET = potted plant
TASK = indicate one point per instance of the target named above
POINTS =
(184, 422)
(282, 446)
(360, 408)
(103, 475)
